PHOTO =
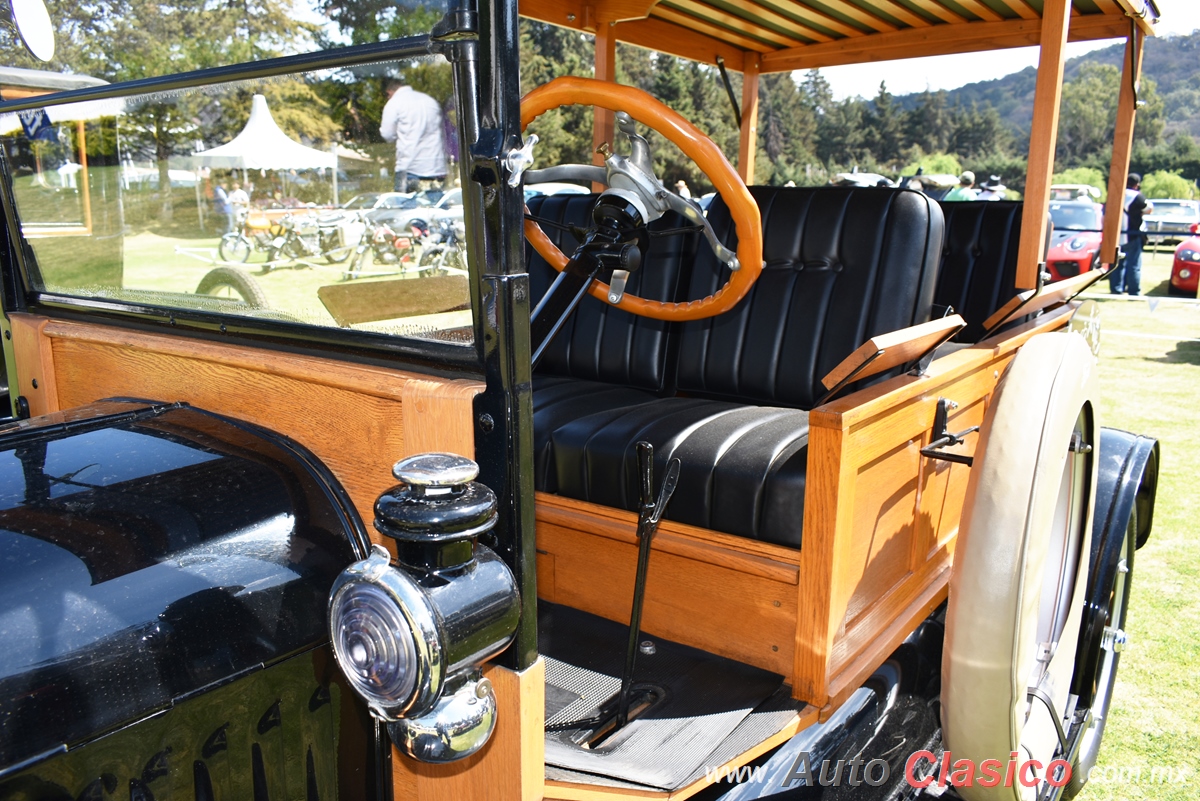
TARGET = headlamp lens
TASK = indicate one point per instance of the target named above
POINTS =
(373, 643)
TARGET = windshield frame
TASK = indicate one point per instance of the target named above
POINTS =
(20, 295)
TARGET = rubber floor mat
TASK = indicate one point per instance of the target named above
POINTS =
(704, 698)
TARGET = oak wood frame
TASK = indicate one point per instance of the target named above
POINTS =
(1122, 146)
(1043, 137)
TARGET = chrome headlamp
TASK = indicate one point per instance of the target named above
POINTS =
(411, 635)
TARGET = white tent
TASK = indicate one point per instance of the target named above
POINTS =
(263, 146)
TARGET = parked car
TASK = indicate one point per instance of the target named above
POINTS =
(1185, 269)
(1075, 244)
(554, 188)
(1171, 220)
(420, 214)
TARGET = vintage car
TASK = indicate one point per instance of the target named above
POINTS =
(1171, 220)
(1185, 267)
(1075, 243)
(809, 494)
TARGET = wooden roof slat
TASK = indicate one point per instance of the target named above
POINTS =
(1108, 6)
(792, 10)
(937, 41)
(980, 10)
(657, 34)
(898, 11)
(858, 14)
(938, 10)
(702, 10)
(1021, 8)
(679, 18)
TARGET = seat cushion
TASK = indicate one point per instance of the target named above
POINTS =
(558, 400)
(743, 467)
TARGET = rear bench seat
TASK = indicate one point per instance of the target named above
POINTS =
(730, 396)
(978, 273)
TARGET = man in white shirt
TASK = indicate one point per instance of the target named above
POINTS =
(413, 121)
(239, 201)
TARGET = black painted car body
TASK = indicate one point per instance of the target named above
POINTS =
(164, 574)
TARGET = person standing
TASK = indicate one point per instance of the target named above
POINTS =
(992, 189)
(239, 201)
(964, 190)
(413, 120)
(1126, 277)
(222, 207)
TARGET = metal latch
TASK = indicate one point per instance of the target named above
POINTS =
(943, 439)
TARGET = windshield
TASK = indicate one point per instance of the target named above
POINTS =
(212, 199)
(1176, 208)
(1075, 216)
(115, 42)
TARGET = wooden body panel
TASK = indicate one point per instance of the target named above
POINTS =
(359, 420)
(510, 767)
(879, 530)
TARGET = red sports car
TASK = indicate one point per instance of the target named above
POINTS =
(1075, 246)
(1185, 272)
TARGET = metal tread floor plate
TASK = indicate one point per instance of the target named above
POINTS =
(705, 699)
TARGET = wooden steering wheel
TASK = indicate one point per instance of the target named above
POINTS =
(695, 145)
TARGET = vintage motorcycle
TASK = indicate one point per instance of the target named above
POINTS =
(444, 248)
(291, 237)
(381, 244)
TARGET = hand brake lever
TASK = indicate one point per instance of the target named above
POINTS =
(649, 515)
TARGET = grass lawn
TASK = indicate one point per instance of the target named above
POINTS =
(169, 264)
(1150, 375)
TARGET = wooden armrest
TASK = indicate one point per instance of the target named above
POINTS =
(1030, 301)
(882, 353)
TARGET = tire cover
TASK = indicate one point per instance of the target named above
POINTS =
(996, 585)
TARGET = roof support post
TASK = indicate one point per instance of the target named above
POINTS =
(1122, 146)
(748, 140)
(1043, 138)
(604, 121)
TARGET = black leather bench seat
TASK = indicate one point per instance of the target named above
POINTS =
(742, 470)
(558, 400)
(841, 266)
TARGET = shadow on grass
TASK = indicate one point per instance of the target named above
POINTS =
(1184, 353)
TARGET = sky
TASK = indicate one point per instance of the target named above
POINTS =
(951, 72)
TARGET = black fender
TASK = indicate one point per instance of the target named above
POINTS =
(1127, 479)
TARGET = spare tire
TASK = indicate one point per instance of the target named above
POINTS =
(1020, 564)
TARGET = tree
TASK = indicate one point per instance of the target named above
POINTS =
(1089, 113)
(929, 125)
(1164, 184)
(1088, 176)
(886, 127)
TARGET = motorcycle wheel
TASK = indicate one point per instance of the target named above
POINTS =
(338, 255)
(273, 255)
(356, 266)
(234, 247)
(433, 260)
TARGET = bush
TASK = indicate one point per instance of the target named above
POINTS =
(934, 164)
(1089, 176)
(1163, 184)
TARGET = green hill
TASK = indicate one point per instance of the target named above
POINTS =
(1173, 63)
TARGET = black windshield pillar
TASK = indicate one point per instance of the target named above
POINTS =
(488, 92)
